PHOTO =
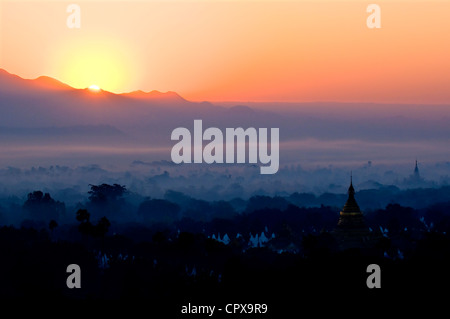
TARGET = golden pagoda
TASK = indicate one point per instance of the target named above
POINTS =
(351, 231)
(351, 216)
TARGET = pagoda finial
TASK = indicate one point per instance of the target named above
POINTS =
(416, 169)
(351, 206)
(351, 190)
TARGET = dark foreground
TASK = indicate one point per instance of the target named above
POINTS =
(165, 275)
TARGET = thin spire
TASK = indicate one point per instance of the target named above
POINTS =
(351, 206)
(351, 190)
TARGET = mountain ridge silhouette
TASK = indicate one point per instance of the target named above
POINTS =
(152, 116)
(52, 84)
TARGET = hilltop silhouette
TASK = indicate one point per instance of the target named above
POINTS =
(15, 83)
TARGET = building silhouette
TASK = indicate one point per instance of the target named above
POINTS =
(415, 180)
(351, 230)
(416, 172)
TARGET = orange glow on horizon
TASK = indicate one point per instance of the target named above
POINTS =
(84, 61)
(237, 51)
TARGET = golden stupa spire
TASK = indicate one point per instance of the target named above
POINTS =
(351, 206)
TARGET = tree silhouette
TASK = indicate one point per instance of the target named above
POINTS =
(52, 225)
(83, 215)
(43, 205)
(101, 228)
(106, 200)
(103, 193)
(85, 226)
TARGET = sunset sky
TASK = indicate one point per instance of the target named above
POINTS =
(236, 50)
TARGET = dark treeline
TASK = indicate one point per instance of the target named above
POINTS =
(179, 249)
(120, 205)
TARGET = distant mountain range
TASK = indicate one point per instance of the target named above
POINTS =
(37, 109)
(45, 104)
(14, 84)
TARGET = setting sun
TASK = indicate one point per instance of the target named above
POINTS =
(97, 62)
(94, 87)
(273, 51)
